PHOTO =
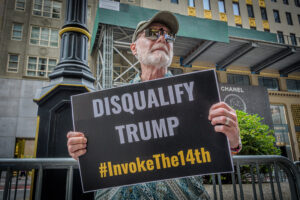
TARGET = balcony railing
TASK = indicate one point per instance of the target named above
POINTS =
(257, 174)
(287, 39)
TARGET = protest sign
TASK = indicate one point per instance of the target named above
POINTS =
(150, 131)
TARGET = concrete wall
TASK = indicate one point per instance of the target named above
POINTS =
(18, 112)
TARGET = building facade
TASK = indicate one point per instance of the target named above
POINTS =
(30, 50)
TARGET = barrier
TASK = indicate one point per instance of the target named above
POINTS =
(260, 171)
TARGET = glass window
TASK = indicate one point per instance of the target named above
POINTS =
(293, 85)
(274, 0)
(250, 11)
(20, 5)
(206, 4)
(40, 67)
(221, 6)
(276, 16)
(174, 1)
(263, 12)
(269, 83)
(280, 37)
(236, 9)
(17, 31)
(297, 3)
(44, 36)
(238, 79)
(286, 2)
(47, 8)
(191, 3)
(281, 130)
(293, 39)
(56, 9)
(239, 25)
(13, 62)
(289, 18)
(299, 19)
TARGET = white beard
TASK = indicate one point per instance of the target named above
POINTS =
(158, 58)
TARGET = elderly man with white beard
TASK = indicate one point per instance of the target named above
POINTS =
(152, 44)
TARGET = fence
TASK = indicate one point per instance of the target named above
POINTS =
(258, 171)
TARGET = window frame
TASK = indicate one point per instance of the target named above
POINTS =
(238, 7)
(289, 19)
(223, 6)
(294, 40)
(261, 12)
(12, 31)
(42, 9)
(251, 15)
(280, 36)
(209, 4)
(297, 85)
(278, 20)
(8, 61)
(269, 78)
(36, 70)
(17, 8)
(285, 2)
(235, 76)
(191, 5)
(40, 36)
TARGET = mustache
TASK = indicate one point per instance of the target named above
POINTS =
(161, 47)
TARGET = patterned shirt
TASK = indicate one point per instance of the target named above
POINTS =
(181, 188)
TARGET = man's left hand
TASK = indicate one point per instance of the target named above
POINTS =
(224, 118)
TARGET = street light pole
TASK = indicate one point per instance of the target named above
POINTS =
(71, 76)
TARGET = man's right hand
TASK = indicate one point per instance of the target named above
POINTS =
(76, 144)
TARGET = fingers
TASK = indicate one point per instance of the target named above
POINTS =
(221, 105)
(74, 134)
(77, 147)
(77, 140)
(78, 153)
(232, 134)
(76, 144)
(223, 120)
(222, 112)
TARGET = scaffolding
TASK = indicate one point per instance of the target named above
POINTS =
(107, 75)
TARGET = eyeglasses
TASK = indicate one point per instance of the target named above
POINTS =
(154, 34)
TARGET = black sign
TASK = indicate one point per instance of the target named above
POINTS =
(250, 99)
(150, 131)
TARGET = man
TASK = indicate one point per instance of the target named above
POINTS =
(152, 44)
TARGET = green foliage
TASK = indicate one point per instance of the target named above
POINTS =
(257, 138)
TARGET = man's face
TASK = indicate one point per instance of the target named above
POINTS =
(158, 52)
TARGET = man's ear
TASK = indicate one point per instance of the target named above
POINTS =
(133, 48)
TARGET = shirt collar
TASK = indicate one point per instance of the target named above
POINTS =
(137, 78)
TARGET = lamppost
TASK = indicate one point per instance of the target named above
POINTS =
(71, 76)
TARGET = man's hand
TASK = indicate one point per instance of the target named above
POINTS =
(76, 144)
(224, 118)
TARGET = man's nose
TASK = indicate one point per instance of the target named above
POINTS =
(162, 39)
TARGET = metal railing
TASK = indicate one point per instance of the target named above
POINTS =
(258, 171)
(289, 40)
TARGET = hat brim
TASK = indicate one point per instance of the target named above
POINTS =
(163, 17)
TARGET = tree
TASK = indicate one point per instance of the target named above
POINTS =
(257, 138)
